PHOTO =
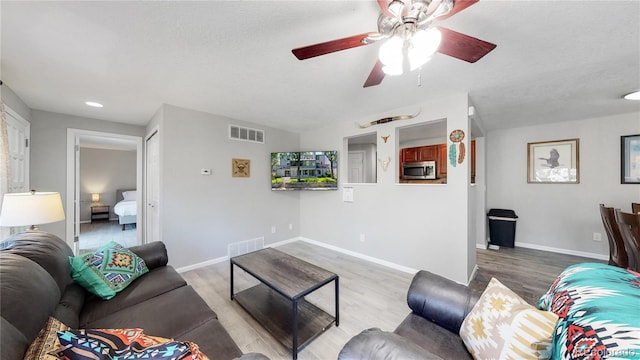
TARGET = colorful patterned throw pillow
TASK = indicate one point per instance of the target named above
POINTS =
(108, 270)
(123, 344)
(502, 325)
(599, 310)
(46, 341)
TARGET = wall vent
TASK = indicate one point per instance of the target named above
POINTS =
(246, 134)
(246, 246)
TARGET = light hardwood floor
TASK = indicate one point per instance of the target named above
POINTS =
(93, 235)
(371, 295)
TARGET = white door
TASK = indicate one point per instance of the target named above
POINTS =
(18, 131)
(152, 195)
(356, 167)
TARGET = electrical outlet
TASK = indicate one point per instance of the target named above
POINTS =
(597, 236)
(273, 229)
(362, 237)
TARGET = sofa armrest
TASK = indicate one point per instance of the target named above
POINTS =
(441, 300)
(154, 254)
(373, 344)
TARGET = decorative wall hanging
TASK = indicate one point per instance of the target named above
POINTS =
(385, 138)
(456, 156)
(630, 159)
(389, 119)
(240, 167)
(554, 162)
(385, 163)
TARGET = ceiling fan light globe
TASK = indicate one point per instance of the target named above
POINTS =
(423, 45)
(390, 52)
(392, 70)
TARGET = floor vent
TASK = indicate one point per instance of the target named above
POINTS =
(246, 246)
(246, 134)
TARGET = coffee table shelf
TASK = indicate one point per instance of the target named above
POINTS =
(278, 303)
(273, 312)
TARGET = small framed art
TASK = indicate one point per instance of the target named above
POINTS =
(554, 162)
(630, 159)
(240, 167)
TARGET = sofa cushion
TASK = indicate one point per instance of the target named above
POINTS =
(430, 336)
(46, 250)
(503, 326)
(47, 341)
(598, 306)
(29, 294)
(107, 270)
(213, 340)
(374, 344)
(168, 315)
(156, 282)
(13, 343)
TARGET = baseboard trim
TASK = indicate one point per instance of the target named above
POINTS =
(481, 246)
(562, 251)
(361, 256)
(202, 264)
(473, 275)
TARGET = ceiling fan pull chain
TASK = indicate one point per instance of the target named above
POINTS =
(420, 76)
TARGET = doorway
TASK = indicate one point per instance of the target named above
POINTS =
(100, 168)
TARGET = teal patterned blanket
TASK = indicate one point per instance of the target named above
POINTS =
(599, 310)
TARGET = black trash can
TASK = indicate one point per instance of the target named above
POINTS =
(502, 227)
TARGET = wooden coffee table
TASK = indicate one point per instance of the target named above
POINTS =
(278, 302)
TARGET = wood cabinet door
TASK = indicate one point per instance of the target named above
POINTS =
(441, 163)
(410, 154)
(428, 153)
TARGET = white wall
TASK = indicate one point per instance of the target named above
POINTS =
(201, 215)
(104, 171)
(416, 226)
(49, 152)
(562, 217)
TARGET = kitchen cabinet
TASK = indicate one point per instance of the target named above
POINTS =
(439, 154)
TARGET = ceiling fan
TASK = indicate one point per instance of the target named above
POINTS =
(405, 27)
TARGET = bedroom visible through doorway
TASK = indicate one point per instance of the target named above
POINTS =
(104, 198)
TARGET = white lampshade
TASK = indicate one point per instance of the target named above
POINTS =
(95, 197)
(31, 208)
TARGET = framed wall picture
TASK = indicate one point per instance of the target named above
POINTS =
(240, 167)
(554, 162)
(630, 159)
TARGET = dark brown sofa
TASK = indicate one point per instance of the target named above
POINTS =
(35, 281)
(430, 331)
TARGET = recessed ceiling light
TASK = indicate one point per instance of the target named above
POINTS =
(633, 96)
(93, 103)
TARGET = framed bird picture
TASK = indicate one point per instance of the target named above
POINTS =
(554, 162)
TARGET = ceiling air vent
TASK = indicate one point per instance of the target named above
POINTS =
(246, 134)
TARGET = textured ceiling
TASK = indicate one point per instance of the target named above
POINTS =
(555, 60)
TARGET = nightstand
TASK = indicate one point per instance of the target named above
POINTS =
(100, 212)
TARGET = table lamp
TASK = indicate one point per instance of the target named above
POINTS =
(95, 198)
(31, 209)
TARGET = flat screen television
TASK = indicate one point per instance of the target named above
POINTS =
(304, 170)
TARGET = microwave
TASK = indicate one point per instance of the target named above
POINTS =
(423, 170)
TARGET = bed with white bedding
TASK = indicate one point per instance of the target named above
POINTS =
(126, 208)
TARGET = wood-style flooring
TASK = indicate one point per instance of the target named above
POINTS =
(371, 295)
(98, 233)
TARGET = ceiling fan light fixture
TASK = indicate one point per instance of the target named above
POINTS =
(396, 7)
(392, 70)
(422, 45)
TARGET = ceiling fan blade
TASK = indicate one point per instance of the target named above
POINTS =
(329, 47)
(376, 75)
(458, 5)
(463, 47)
